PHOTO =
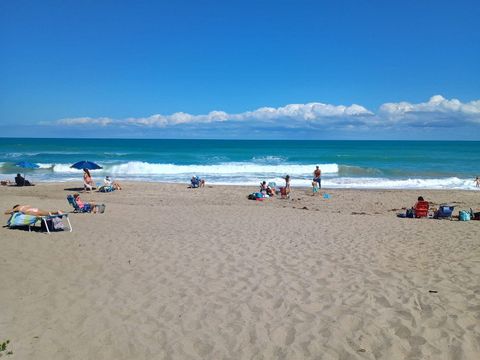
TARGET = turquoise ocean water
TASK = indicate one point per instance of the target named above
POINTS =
(345, 164)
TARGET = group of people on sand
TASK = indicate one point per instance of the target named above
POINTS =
(269, 189)
(89, 184)
(90, 206)
(19, 181)
(285, 191)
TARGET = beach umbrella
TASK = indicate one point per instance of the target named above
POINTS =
(86, 165)
(26, 165)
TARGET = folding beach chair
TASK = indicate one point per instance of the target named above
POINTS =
(76, 208)
(106, 188)
(421, 209)
(445, 211)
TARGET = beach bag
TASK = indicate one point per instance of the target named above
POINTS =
(464, 216)
(255, 196)
(53, 224)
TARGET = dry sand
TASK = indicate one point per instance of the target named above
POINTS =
(175, 273)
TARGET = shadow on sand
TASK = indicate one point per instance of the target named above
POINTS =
(76, 189)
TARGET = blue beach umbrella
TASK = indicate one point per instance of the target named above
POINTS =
(86, 165)
(26, 165)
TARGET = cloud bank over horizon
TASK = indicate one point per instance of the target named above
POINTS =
(437, 113)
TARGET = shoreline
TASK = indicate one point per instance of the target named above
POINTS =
(297, 187)
(172, 272)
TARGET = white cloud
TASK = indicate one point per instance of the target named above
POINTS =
(298, 112)
(434, 112)
(85, 121)
(437, 112)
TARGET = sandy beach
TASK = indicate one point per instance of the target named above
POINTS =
(174, 273)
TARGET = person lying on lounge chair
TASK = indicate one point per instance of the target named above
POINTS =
(20, 181)
(30, 210)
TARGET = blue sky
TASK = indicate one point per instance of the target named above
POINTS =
(241, 69)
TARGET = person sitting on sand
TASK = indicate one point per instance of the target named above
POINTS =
(87, 180)
(109, 182)
(20, 181)
(30, 210)
(83, 205)
(266, 190)
(263, 187)
(196, 182)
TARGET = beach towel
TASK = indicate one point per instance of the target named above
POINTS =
(21, 219)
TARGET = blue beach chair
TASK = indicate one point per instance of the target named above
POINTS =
(106, 188)
(445, 211)
(77, 209)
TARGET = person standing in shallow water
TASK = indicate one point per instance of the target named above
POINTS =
(317, 176)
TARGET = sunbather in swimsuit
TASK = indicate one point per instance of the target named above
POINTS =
(87, 180)
(29, 210)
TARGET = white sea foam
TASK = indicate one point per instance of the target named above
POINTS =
(145, 168)
(245, 173)
(384, 183)
(366, 183)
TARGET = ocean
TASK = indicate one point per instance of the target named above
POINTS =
(344, 164)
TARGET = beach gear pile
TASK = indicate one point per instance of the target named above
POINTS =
(444, 211)
(257, 196)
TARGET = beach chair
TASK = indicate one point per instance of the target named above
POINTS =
(106, 188)
(445, 211)
(88, 186)
(77, 209)
(421, 209)
(19, 219)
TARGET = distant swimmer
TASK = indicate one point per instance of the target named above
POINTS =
(477, 181)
